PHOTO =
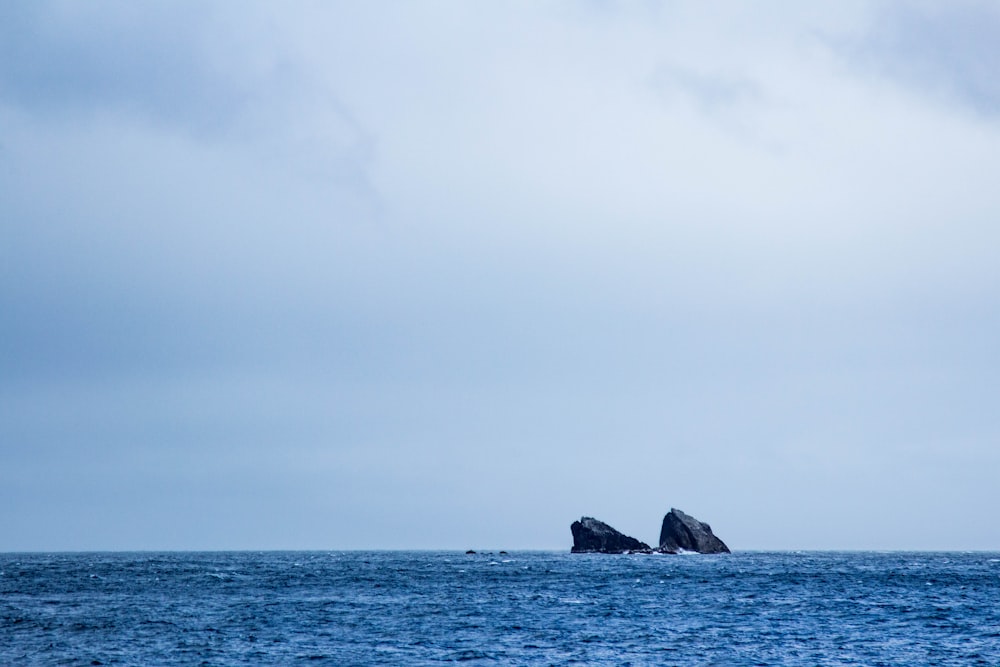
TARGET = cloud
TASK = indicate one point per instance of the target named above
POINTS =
(943, 51)
(182, 68)
(711, 92)
(65, 60)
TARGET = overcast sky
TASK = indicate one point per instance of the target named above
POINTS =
(453, 274)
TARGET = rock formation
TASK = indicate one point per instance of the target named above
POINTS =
(681, 532)
(593, 536)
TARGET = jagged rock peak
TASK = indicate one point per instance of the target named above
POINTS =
(682, 532)
(593, 536)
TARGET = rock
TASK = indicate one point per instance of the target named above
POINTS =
(593, 536)
(681, 532)
(470, 552)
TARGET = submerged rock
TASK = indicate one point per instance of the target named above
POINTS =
(593, 536)
(682, 532)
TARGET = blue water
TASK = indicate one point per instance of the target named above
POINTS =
(517, 608)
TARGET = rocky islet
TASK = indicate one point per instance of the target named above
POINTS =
(682, 532)
(593, 536)
(679, 532)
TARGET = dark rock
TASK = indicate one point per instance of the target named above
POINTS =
(681, 532)
(593, 536)
(470, 551)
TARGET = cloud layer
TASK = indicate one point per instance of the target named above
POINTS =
(451, 275)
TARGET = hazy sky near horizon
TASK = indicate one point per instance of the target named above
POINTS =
(448, 274)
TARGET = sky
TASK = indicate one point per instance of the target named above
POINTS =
(449, 275)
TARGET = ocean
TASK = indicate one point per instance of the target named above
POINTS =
(521, 608)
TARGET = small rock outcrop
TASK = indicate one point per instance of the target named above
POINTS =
(593, 536)
(682, 532)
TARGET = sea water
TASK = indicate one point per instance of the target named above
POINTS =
(525, 608)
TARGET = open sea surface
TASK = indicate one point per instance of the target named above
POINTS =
(525, 608)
